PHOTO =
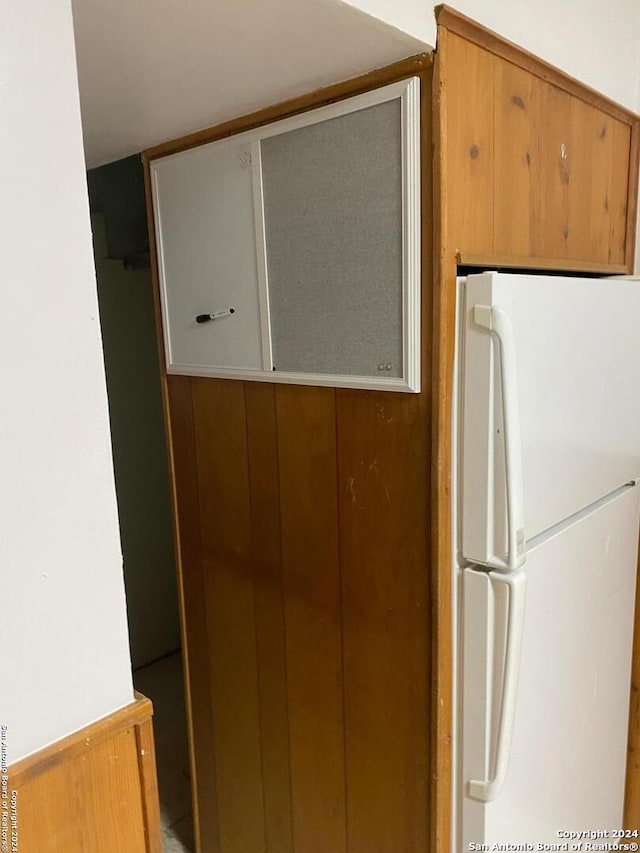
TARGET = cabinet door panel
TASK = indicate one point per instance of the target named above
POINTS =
(536, 171)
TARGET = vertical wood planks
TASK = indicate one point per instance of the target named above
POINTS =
(225, 520)
(555, 172)
(193, 612)
(470, 140)
(555, 179)
(589, 148)
(383, 488)
(518, 142)
(619, 215)
(94, 790)
(90, 801)
(266, 555)
(223, 469)
(311, 573)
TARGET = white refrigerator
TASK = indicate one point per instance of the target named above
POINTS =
(546, 507)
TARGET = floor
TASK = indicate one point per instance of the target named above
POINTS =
(162, 683)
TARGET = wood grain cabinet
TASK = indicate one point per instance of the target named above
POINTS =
(540, 172)
(313, 522)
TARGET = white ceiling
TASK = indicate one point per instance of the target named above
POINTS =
(152, 70)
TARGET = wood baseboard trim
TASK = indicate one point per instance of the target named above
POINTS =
(104, 770)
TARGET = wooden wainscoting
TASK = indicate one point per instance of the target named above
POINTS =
(94, 791)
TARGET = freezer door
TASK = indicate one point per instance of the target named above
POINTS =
(550, 378)
(567, 747)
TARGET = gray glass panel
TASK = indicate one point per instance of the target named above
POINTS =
(333, 221)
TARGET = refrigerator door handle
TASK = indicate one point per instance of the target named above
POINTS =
(496, 321)
(490, 789)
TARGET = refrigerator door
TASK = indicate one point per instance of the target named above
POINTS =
(566, 752)
(550, 412)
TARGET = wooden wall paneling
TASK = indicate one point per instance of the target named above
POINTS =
(148, 772)
(470, 135)
(313, 621)
(621, 239)
(383, 482)
(219, 421)
(590, 153)
(632, 194)
(193, 612)
(93, 803)
(518, 139)
(93, 790)
(262, 439)
(225, 532)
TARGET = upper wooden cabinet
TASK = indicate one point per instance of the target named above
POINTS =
(535, 170)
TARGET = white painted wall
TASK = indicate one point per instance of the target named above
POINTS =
(411, 16)
(596, 42)
(156, 69)
(64, 658)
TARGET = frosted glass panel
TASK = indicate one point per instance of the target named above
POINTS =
(333, 229)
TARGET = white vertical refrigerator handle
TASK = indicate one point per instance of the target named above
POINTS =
(489, 789)
(496, 321)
